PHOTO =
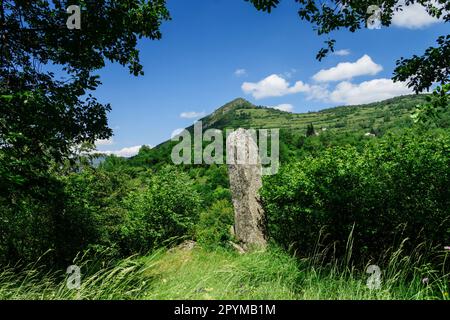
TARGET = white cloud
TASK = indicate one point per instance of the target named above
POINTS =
(318, 92)
(344, 92)
(348, 70)
(367, 91)
(413, 16)
(125, 152)
(240, 73)
(342, 52)
(192, 114)
(284, 107)
(273, 86)
(104, 142)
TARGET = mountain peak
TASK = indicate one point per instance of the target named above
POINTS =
(238, 103)
(227, 111)
(239, 100)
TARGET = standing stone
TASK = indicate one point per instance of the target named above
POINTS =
(244, 170)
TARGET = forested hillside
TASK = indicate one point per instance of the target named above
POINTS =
(333, 126)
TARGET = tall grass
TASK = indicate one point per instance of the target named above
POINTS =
(199, 273)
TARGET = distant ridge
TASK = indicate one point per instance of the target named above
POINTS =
(240, 113)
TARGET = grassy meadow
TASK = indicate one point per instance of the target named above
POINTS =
(198, 273)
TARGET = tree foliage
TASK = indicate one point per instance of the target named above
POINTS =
(47, 73)
(310, 131)
(435, 108)
(421, 72)
(333, 15)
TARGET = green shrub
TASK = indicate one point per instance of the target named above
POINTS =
(27, 230)
(166, 208)
(93, 210)
(97, 209)
(214, 225)
(77, 210)
(396, 188)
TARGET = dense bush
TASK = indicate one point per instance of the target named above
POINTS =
(100, 209)
(395, 188)
(211, 183)
(80, 209)
(27, 229)
(167, 207)
(214, 226)
(93, 210)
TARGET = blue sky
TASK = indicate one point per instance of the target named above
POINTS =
(214, 51)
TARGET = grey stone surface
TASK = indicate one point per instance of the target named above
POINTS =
(244, 170)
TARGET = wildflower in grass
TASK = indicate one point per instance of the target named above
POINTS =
(447, 248)
(425, 281)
